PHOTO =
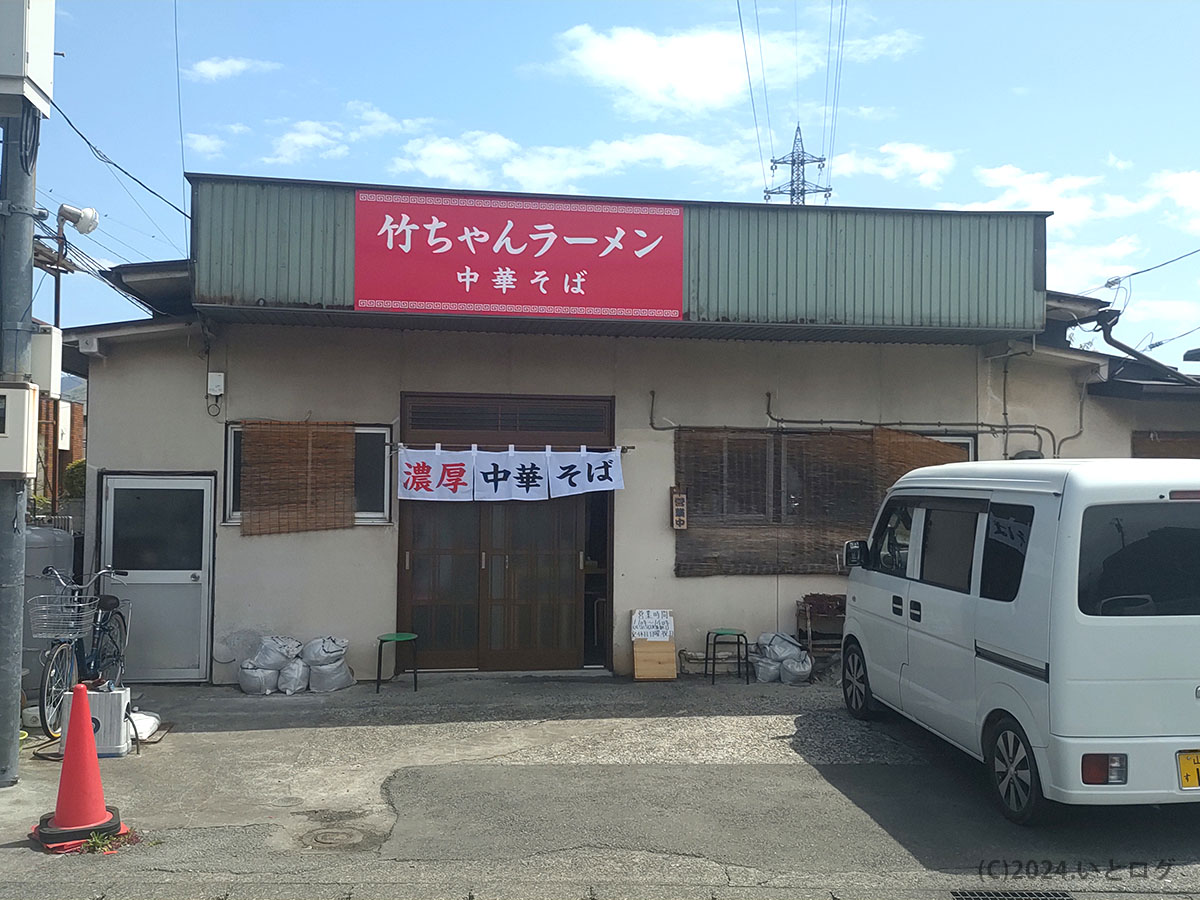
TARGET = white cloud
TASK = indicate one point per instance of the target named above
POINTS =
(306, 139)
(238, 128)
(462, 162)
(1116, 162)
(1067, 196)
(485, 159)
(208, 145)
(216, 68)
(702, 70)
(1183, 190)
(1080, 267)
(897, 160)
(892, 45)
(376, 123)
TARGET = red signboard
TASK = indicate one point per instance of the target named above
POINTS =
(447, 254)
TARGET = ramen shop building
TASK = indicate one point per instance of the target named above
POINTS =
(506, 421)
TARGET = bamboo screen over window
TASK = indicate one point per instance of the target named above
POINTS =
(782, 502)
(297, 476)
(1166, 444)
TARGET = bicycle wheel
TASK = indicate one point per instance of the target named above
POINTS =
(110, 647)
(58, 677)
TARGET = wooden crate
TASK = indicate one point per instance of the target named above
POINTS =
(654, 660)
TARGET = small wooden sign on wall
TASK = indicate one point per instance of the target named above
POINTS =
(678, 509)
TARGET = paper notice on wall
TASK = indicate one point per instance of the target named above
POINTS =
(653, 625)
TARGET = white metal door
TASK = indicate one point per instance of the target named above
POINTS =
(937, 685)
(160, 530)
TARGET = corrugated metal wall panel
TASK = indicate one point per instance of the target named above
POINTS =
(861, 267)
(292, 244)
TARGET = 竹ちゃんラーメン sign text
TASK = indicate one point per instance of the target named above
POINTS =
(442, 254)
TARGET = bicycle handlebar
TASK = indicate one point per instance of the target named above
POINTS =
(65, 582)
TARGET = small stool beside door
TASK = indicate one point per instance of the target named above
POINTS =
(396, 637)
(726, 636)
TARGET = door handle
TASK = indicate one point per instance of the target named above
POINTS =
(580, 560)
(897, 604)
(483, 559)
(914, 610)
(407, 560)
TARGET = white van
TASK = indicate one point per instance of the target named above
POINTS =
(1044, 617)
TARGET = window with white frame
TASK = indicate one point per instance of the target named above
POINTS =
(372, 474)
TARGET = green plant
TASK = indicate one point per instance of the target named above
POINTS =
(39, 504)
(74, 480)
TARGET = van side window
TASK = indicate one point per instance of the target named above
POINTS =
(1004, 551)
(948, 547)
(889, 544)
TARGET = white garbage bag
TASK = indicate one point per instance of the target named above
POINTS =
(796, 671)
(766, 670)
(293, 677)
(321, 651)
(779, 646)
(330, 677)
(275, 651)
(255, 680)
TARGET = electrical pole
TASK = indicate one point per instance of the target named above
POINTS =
(797, 187)
(17, 214)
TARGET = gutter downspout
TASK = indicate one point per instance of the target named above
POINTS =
(1107, 318)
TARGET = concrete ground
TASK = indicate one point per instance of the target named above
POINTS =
(570, 787)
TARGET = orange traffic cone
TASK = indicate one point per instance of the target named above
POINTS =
(80, 811)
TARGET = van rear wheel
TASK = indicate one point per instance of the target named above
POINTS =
(1012, 772)
(856, 687)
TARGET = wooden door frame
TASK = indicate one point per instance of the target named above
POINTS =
(500, 440)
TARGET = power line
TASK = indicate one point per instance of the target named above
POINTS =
(837, 95)
(762, 68)
(100, 155)
(1158, 344)
(753, 109)
(179, 110)
(1160, 265)
(825, 104)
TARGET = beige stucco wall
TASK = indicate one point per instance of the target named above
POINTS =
(148, 412)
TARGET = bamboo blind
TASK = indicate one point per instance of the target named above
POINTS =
(777, 502)
(297, 476)
(1166, 444)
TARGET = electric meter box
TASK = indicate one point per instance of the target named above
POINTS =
(18, 429)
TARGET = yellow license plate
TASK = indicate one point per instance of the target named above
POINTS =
(1189, 769)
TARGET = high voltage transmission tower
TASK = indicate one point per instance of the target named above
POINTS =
(797, 187)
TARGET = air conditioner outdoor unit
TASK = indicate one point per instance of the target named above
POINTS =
(108, 721)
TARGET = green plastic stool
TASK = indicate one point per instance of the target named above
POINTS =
(395, 637)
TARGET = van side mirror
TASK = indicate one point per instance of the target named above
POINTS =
(856, 553)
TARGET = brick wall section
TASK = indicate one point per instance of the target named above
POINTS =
(48, 456)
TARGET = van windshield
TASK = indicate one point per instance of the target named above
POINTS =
(1140, 559)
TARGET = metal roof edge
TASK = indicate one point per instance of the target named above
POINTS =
(196, 177)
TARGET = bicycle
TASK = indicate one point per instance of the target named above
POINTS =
(66, 617)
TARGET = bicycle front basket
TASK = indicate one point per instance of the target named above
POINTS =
(61, 616)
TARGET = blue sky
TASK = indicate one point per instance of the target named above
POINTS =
(1086, 109)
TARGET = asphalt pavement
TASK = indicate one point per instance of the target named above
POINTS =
(569, 787)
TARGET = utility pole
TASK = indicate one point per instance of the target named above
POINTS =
(26, 86)
(16, 325)
(797, 187)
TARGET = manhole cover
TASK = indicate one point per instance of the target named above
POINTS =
(1011, 895)
(336, 837)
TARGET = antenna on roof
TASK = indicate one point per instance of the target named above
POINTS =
(797, 187)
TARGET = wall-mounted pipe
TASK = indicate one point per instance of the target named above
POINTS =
(994, 427)
(1107, 318)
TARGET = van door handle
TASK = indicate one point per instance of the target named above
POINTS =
(914, 610)
(897, 604)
